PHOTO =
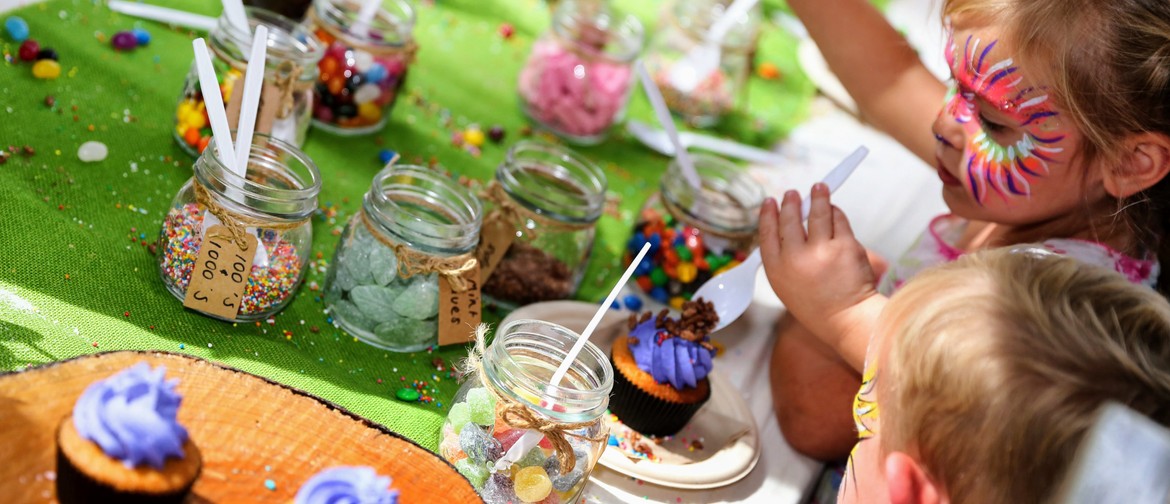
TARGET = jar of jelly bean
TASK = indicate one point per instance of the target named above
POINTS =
(287, 95)
(272, 206)
(382, 286)
(508, 394)
(579, 75)
(683, 26)
(364, 65)
(545, 202)
(694, 234)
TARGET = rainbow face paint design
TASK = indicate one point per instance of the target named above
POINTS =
(993, 166)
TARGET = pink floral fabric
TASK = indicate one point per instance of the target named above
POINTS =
(936, 246)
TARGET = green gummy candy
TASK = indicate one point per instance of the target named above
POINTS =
(459, 416)
(534, 457)
(482, 406)
(477, 474)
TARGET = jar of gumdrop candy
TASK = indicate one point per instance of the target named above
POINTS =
(545, 202)
(287, 96)
(382, 286)
(273, 203)
(578, 77)
(364, 65)
(694, 234)
(507, 393)
(701, 100)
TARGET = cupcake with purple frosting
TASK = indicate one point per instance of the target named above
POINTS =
(349, 485)
(123, 443)
(661, 369)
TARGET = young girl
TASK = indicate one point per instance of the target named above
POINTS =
(991, 370)
(1055, 129)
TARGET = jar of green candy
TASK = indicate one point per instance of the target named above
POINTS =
(413, 238)
(509, 393)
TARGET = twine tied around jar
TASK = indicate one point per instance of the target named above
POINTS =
(519, 416)
(412, 262)
(286, 77)
(236, 223)
(508, 210)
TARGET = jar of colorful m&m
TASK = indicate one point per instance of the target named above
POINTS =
(578, 77)
(694, 234)
(365, 64)
(286, 98)
(538, 235)
(701, 100)
(416, 231)
(236, 247)
(491, 432)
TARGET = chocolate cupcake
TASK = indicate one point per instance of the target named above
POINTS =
(123, 444)
(661, 368)
(357, 484)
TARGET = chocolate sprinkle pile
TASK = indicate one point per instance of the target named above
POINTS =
(698, 320)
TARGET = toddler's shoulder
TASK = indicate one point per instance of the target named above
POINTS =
(1143, 270)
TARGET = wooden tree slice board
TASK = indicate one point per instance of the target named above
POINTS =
(249, 430)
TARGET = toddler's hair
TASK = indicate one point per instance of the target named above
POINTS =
(998, 362)
(1107, 63)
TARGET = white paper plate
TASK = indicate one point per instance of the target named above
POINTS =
(722, 468)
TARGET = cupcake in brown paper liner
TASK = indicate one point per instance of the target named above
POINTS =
(661, 369)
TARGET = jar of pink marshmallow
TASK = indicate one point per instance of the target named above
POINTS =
(578, 77)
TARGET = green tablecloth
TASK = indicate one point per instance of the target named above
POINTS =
(77, 276)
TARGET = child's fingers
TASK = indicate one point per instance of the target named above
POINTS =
(820, 213)
(791, 223)
(770, 233)
(841, 226)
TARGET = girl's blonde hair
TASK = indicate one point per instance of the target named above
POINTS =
(997, 363)
(1107, 65)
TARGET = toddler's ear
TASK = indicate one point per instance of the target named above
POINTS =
(908, 483)
(1147, 161)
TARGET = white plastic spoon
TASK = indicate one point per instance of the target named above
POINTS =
(731, 292)
(690, 70)
(532, 438)
(663, 113)
(164, 15)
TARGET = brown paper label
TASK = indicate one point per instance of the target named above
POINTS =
(495, 238)
(459, 312)
(220, 275)
(266, 111)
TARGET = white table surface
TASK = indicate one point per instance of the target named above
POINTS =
(889, 201)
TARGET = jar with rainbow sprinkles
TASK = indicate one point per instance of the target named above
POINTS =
(578, 77)
(509, 393)
(365, 64)
(266, 215)
(694, 234)
(286, 98)
(683, 25)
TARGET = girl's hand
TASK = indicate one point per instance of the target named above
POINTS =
(823, 276)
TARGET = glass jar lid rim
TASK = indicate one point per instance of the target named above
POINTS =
(287, 39)
(233, 180)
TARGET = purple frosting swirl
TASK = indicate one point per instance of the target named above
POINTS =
(682, 363)
(131, 416)
(347, 485)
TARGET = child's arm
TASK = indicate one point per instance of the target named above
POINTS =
(823, 276)
(893, 90)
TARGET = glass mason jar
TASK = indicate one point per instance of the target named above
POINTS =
(579, 75)
(290, 70)
(411, 214)
(701, 100)
(363, 69)
(275, 202)
(509, 393)
(547, 200)
(695, 235)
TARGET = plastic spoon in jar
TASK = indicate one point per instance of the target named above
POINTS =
(532, 438)
(361, 26)
(690, 70)
(236, 15)
(250, 101)
(731, 292)
(164, 15)
(680, 152)
(221, 133)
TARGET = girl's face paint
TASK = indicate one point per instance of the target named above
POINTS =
(1012, 130)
